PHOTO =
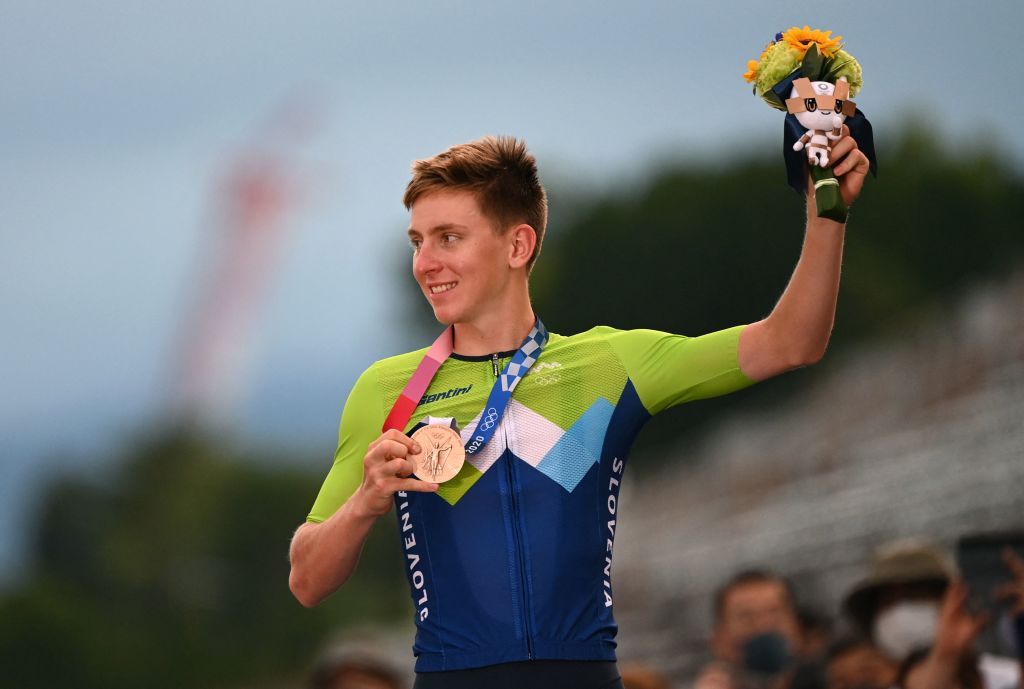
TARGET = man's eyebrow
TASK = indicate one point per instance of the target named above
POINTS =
(437, 228)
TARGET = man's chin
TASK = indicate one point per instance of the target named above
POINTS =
(445, 316)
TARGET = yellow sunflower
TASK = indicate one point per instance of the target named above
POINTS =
(802, 39)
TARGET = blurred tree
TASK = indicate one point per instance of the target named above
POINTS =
(173, 571)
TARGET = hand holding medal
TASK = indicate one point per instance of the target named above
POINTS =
(387, 469)
(807, 74)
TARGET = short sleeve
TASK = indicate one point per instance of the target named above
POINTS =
(361, 421)
(667, 369)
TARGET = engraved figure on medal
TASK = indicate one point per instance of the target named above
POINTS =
(441, 456)
(436, 457)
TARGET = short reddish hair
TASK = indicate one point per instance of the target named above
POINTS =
(499, 171)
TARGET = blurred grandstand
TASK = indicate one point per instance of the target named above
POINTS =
(917, 436)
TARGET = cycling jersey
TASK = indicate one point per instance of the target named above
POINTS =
(511, 559)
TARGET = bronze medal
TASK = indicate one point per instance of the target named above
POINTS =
(442, 454)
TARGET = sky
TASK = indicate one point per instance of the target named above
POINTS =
(120, 121)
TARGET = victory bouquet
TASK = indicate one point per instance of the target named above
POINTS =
(807, 74)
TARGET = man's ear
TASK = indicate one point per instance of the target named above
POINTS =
(522, 241)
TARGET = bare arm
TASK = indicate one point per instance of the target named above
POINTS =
(958, 629)
(1012, 593)
(323, 556)
(797, 331)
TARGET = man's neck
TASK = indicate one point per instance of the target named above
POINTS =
(500, 330)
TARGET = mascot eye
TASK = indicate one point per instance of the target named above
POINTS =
(810, 104)
(839, 105)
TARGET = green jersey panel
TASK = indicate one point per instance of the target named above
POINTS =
(671, 369)
(569, 392)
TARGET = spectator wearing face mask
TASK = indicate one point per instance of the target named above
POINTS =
(756, 634)
(911, 601)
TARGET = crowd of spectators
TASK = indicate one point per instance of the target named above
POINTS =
(909, 623)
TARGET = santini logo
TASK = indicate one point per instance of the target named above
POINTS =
(427, 399)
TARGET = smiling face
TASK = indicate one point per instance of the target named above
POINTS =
(460, 262)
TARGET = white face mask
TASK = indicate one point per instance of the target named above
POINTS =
(906, 627)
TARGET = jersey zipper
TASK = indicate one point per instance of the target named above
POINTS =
(517, 534)
(521, 559)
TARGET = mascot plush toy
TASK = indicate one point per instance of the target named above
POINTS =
(807, 74)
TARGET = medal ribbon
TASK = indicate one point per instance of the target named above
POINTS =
(501, 392)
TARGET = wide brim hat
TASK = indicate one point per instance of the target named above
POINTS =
(900, 563)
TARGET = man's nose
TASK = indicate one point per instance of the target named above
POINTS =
(425, 261)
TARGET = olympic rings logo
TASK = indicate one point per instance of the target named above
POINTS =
(548, 379)
(491, 418)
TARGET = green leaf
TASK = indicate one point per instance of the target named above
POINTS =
(772, 99)
(813, 65)
(832, 68)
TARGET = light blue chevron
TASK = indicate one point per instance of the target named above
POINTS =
(580, 448)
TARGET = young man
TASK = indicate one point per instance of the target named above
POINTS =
(509, 562)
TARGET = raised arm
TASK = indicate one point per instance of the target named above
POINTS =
(796, 332)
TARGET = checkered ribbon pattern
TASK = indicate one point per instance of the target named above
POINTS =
(524, 358)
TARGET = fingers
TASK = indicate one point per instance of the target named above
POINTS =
(1013, 593)
(386, 448)
(416, 486)
(843, 147)
(853, 161)
(1015, 563)
(847, 155)
(954, 606)
(954, 600)
(978, 624)
(387, 470)
(390, 449)
(395, 436)
(398, 467)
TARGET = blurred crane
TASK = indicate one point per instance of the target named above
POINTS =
(255, 201)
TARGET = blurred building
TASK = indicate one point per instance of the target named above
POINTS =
(921, 435)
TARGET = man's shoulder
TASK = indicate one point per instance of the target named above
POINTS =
(606, 338)
(381, 377)
(595, 334)
(398, 362)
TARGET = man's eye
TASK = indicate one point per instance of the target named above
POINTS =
(448, 239)
(810, 104)
(415, 244)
